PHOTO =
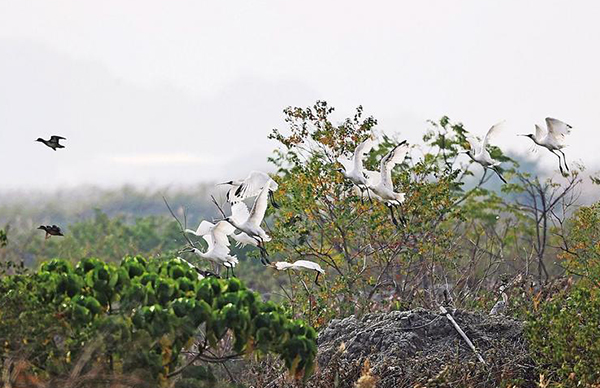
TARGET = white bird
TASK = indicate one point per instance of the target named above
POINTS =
(381, 182)
(553, 139)
(218, 243)
(300, 265)
(242, 239)
(249, 222)
(478, 152)
(353, 169)
(250, 187)
(500, 305)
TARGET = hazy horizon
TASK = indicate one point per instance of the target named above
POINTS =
(153, 94)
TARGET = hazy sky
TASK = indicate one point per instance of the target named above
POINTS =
(183, 91)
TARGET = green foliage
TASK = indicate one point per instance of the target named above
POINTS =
(3, 238)
(369, 262)
(140, 315)
(582, 255)
(564, 337)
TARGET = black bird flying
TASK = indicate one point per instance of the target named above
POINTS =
(53, 142)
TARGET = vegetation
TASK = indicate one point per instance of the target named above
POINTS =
(140, 317)
(466, 240)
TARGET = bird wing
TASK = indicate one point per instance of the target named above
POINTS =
(310, 265)
(474, 143)
(239, 212)
(395, 156)
(260, 206)
(361, 150)
(220, 232)
(539, 132)
(204, 228)
(346, 163)
(209, 240)
(251, 186)
(557, 128)
(56, 138)
(490, 133)
(373, 177)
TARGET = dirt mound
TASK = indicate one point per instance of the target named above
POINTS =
(421, 348)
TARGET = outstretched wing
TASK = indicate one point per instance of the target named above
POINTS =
(557, 128)
(221, 231)
(395, 156)
(239, 212)
(250, 187)
(282, 265)
(260, 206)
(56, 138)
(209, 241)
(347, 164)
(361, 150)
(373, 177)
(310, 265)
(474, 143)
(539, 132)
(490, 133)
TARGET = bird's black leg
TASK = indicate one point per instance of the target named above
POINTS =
(272, 196)
(403, 220)
(392, 213)
(263, 252)
(226, 272)
(232, 273)
(559, 162)
(362, 193)
(369, 195)
(499, 174)
(317, 279)
(564, 159)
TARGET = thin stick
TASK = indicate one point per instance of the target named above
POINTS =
(179, 222)
(462, 333)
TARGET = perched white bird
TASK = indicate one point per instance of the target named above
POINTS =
(218, 243)
(381, 182)
(478, 152)
(500, 305)
(250, 187)
(553, 139)
(300, 265)
(249, 222)
(353, 169)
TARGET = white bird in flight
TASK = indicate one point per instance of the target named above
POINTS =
(553, 139)
(353, 169)
(218, 243)
(381, 182)
(249, 222)
(250, 187)
(478, 152)
(300, 265)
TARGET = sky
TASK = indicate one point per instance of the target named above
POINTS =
(175, 92)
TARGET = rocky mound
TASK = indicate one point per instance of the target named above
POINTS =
(421, 348)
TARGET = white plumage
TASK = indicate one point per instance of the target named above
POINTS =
(300, 265)
(249, 187)
(353, 169)
(552, 138)
(479, 153)
(218, 242)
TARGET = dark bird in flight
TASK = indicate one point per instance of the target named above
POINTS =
(53, 142)
(51, 230)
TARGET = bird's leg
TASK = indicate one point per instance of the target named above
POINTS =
(47, 236)
(272, 197)
(263, 251)
(559, 162)
(499, 174)
(362, 193)
(369, 195)
(392, 213)
(564, 159)
(232, 273)
(317, 279)
(403, 220)
(483, 177)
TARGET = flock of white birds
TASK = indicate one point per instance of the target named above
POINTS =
(243, 225)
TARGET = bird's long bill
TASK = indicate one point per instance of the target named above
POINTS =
(520, 134)
(184, 250)
(224, 183)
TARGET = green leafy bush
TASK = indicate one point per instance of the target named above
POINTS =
(138, 316)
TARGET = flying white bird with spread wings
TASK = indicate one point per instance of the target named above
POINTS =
(478, 152)
(218, 243)
(353, 169)
(249, 222)
(553, 139)
(300, 265)
(250, 187)
(381, 182)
